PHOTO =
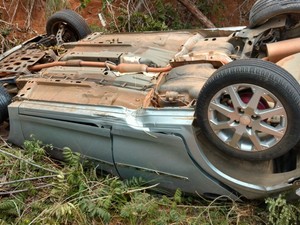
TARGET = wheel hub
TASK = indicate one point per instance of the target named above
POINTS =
(245, 120)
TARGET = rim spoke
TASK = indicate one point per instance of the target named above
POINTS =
(267, 129)
(255, 140)
(235, 98)
(226, 111)
(268, 113)
(235, 139)
(253, 103)
(221, 125)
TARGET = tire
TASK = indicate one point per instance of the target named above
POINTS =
(5, 100)
(263, 10)
(232, 105)
(75, 27)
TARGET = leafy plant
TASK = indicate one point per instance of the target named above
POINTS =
(152, 16)
(84, 3)
(6, 31)
(282, 212)
(34, 148)
(139, 208)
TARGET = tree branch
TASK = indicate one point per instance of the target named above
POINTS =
(197, 13)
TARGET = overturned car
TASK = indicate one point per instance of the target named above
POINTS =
(212, 111)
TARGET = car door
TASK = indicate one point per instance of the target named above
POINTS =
(62, 126)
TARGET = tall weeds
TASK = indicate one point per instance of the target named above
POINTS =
(35, 189)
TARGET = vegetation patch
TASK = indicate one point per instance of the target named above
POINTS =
(157, 15)
(36, 189)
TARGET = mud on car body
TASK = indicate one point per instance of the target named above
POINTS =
(210, 111)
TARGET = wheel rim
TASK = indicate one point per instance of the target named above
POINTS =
(63, 32)
(247, 117)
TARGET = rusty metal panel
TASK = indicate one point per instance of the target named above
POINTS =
(80, 92)
(20, 60)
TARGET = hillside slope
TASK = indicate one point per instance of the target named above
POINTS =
(21, 19)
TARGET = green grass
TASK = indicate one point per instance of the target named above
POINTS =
(35, 189)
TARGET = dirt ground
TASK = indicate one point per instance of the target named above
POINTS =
(22, 19)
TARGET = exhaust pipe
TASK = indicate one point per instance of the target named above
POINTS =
(122, 68)
(279, 50)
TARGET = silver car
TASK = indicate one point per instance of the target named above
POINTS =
(211, 111)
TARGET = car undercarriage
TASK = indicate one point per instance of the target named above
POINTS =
(210, 111)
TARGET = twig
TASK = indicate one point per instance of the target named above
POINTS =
(17, 208)
(26, 179)
(197, 13)
(211, 203)
(4, 8)
(28, 22)
(24, 190)
(147, 8)
(26, 161)
(128, 15)
(15, 11)
(111, 11)
(2, 44)
(197, 207)
(245, 4)
(7, 23)
(2, 139)
(141, 189)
